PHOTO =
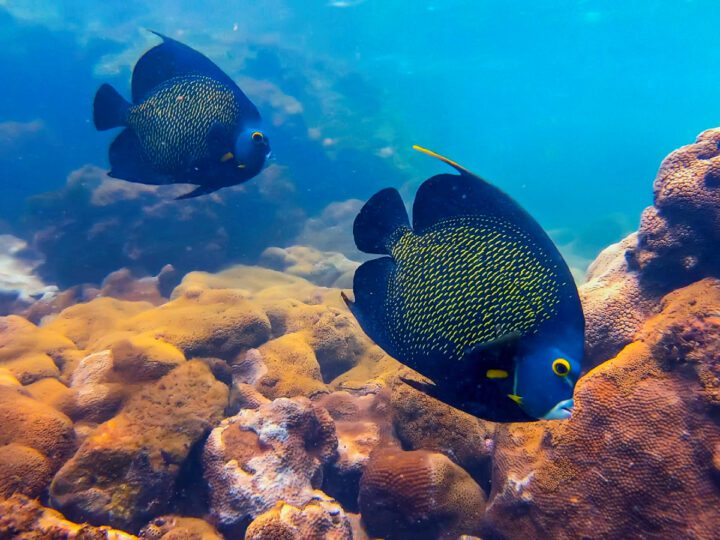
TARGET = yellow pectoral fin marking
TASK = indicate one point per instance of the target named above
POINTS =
(516, 399)
(227, 157)
(496, 374)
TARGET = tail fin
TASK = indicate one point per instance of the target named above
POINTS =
(381, 217)
(110, 109)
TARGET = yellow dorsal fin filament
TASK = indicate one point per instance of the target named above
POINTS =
(496, 374)
(227, 157)
(516, 399)
(450, 162)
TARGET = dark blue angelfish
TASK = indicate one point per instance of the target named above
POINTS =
(189, 123)
(474, 296)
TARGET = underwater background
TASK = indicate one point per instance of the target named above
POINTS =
(188, 369)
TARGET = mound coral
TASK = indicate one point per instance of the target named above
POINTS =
(29, 352)
(636, 458)
(262, 456)
(418, 494)
(363, 423)
(25, 519)
(320, 518)
(124, 472)
(675, 245)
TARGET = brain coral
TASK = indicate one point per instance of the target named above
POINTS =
(265, 455)
(636, 458)
(362, 423)
(322, 517)
(418, 494)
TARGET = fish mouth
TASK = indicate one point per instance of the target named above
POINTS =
(561, 411)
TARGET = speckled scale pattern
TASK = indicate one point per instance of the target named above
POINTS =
(465, 281)
(174, 122)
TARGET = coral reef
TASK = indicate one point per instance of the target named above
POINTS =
(320, 518)
(418, 494)
(124, 472)
(266, 455)
(24, 519)
(19, 286)
(675, 245)
(251, 398)
(328, 269)
(636, 457)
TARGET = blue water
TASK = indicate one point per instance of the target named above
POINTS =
(567, 105)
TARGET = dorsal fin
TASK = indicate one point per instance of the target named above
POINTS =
(174, 59)
(380, 219)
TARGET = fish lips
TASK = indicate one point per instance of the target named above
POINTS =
(561, 411)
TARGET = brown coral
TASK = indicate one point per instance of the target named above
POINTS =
(123, 474)
(25, 519)
(422, 422)
(31, 353)
(28, 422)
(635, 459)
(179, 528)
(320, 518)
(678, 237)
(418, 494)
(23, 470)
(615, 300)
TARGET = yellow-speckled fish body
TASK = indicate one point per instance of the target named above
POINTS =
(474, 296)
(480, 279)
(174, 124)
(188, 123)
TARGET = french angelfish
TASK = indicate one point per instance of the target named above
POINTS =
(189, 123)
(474, 296)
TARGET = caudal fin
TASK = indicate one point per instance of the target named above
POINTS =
(381, 217)
(110, 109)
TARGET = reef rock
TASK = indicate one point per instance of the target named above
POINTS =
(124, 472)
(418, 494)
(363, 423)
(20, 287)
(322, 517)
(25, 519)
(635, 460)
(324, 268)
(179, 528)
(262, 456)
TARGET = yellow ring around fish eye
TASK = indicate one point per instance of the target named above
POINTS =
(257, 137)
(561, 367)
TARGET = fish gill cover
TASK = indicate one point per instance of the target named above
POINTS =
(188, 368)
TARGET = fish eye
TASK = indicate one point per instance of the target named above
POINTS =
(561, 367)
(257, 137)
